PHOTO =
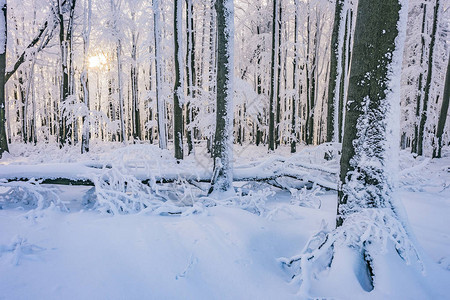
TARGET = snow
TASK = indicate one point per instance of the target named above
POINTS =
(229, 250)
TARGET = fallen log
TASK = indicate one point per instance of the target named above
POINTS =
(84, 174)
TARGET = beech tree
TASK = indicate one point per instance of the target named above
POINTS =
(160, 102)
(274, 63)
(336, 71)
(284, 99)
(178, 90)
(223, 142)
(426, 92)
(3, 40)
(370, 141)
(190, 71)
(85, 75)
(66, 48)
(368, 218)
(443, 114)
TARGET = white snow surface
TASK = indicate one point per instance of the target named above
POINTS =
(211, 252)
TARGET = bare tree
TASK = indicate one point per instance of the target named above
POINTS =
(3, 40)
(178, 90)
(223, 151)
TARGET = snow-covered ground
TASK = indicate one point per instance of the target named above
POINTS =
(230, 250)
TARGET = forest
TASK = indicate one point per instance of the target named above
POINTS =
(229, 149)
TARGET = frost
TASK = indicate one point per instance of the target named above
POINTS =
(29, 194)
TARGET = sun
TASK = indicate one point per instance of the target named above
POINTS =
(97, 61)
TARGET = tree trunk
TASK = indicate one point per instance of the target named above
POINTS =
(178, 91)
(272, 101)
(84, 75)
(136, 114)
(420, 83)
(426, 96)
(63, 126)
(334, 84)
(190, 70)
(122, 135)
(223, 143)
(295, 78)
(365, 183)
(444, 112)
(278, 105)
(3, 39)
(160, 102)
(345, 61)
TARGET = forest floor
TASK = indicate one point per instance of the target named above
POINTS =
(229, 250)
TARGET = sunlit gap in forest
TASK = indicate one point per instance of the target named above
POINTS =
(97, 61)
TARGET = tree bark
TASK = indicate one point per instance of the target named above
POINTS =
(84, 75)
(278, 105)
(337, 44)
(444, 112)
(223, 143)
(63, 126)
(160, 102)
(364, 183)
(3, 40)
(178, 90)
(136, 114)
(426, 96)
(295, 78)
(415, 142)
(190, 71)
(272, 79)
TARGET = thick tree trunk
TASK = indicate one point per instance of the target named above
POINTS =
(223, 143)
(3, 40)
(363, 175)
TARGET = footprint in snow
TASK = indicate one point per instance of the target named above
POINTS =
(18, 250)
(192, 261)
(445, 263)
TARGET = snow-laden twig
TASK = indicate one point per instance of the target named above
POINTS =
(29, 194)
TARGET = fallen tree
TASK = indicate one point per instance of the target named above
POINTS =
(45, 175)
